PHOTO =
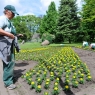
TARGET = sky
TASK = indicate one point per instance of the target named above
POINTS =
(33, 7)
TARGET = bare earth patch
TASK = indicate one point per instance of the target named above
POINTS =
(84, 89)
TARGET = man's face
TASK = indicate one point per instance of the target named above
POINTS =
(10, 14)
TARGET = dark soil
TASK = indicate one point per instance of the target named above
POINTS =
(86, 56)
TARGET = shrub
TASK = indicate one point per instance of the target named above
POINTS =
(47, 36)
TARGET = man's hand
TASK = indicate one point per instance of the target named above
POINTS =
(20, 35)
(10, 35)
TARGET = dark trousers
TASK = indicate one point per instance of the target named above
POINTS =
(8, 71)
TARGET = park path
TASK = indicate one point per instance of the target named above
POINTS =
(88, 57)
(20, 90)
(3, 90)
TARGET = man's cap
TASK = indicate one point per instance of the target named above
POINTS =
(11, 8)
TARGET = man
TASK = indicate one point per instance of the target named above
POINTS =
(92, 46)
(85, 43)
(7, 37)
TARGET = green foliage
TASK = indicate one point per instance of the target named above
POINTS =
(47, 36)
(21, 28)
(49, 21)
(68, 21)
(26, 25)
(88, 19)
(43, 26)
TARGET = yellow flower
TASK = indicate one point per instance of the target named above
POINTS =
(67, 76)
(66, 86)
(46, 93)
(39, 66)
(48, 67)
(78, 65)
(55, 88)
(57, 78)
(32, 83)
(73, 68)
(67, 81)
(81, 79)
(30, 79)
(82, 75)
(76, 82)
(55, 83)
(81, 69)
(79, 72)
(39, 86)
(64, 64)
(51, 73)
(48, 80)
(27, 74)
(30, 73)
(74, 77)
(88, 74)
(47, 83)
(44, 72)
(75, 73)
(39, 79)
(38, 73)
(89, 77)
(88, 71)
(33, 70)
(59, 62)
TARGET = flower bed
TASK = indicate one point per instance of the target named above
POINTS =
(64, 66)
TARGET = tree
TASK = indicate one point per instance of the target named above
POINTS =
(26, 25)
(88, 19)
(43, 27)
(33, 22)
(68, 20)
(21, 27)
(51, 18)
(49, 21)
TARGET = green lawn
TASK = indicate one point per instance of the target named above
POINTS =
(30, 45)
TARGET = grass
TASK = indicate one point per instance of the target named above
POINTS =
(30, 45)
(67, 44)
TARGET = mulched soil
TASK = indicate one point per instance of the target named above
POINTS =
(21, 67)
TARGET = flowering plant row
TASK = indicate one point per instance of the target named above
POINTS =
(37, 54)
(64, 66)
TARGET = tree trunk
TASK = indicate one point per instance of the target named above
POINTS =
(69, 41)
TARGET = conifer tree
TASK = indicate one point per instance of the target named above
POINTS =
(49, 21)
(68, 21)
